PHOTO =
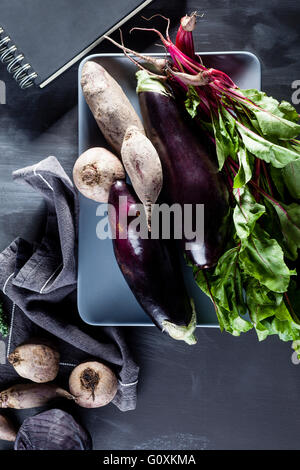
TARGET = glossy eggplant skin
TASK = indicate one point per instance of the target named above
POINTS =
(190, 175)
(147, 265)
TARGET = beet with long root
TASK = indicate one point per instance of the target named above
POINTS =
(143, 166)
(23, 396)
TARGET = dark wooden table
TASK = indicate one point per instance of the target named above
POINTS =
(225, 392)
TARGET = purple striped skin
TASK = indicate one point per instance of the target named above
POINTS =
(190, 175)
(147, 265)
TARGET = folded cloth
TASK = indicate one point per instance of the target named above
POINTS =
(39, 282)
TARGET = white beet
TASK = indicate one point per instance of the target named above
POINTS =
(95, 171)
(108, 103)
(23, 396)
(93, 384)
(143, 166)
(7, 430)
(36, 362)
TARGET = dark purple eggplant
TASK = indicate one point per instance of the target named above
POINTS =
(149, 268)
(190, 175)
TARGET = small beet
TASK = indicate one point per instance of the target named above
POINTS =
(36, 362)
(93, 385)
(95, 171)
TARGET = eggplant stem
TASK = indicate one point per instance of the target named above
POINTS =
(183, 333)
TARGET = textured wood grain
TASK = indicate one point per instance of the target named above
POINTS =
(224, 392)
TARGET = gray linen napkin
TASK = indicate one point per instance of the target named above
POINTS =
(39, 283)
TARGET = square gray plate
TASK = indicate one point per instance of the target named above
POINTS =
(104, 297)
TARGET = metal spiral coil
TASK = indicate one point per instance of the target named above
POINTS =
(14, 62)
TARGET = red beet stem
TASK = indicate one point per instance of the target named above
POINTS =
(184, 39)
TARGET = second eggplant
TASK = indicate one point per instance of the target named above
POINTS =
(149, 268)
